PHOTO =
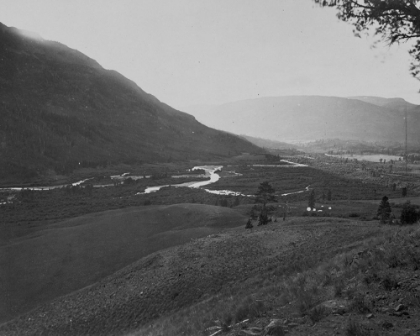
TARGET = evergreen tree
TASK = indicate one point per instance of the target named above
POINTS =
(311, 201)
(264, 195)
(249, 224)
(384, 210)
(263, 218)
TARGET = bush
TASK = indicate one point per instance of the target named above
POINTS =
(389, 282)
(249, 308)
(356, 329)
(359, 305)
(409, 213)
(317, 313)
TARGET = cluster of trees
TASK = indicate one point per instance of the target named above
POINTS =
(410, 213)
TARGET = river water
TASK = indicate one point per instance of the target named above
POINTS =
(210, 171)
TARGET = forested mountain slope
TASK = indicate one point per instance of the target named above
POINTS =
(61, 110)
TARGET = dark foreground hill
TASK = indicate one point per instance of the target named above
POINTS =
(304, 118)
(314, 276)
(61, 110)
(72, 254)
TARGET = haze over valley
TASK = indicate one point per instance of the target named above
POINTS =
(371, 119)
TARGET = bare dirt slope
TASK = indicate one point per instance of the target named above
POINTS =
(78, 252)
(195, 277)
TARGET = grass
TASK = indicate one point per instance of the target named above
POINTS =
(357, 329)
(75, 253)
(306, 290)
(266, 285)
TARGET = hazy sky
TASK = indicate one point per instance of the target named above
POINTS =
(188, 52)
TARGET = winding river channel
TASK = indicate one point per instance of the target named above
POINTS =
(210, 171)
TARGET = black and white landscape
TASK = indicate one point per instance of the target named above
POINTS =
(267, 185)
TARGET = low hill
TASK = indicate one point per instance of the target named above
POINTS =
(75, 253)
(308, 118)
(60, 110)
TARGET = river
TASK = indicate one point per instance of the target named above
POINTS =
(210, 171)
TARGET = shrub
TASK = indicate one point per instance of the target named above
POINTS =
(317, 313)
(356, 329)
(389, 282)
(338, 287)
(249, 224)
(359, 305)
(409, 214)
(249, 308)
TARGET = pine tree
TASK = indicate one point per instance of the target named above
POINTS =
(384, 210)
(264, 195)
(249, 224)
(311, 201)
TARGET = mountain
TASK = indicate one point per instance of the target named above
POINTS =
(305, 118)
(390, 103)
(61, 110)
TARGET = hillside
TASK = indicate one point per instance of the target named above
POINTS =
(305, 118)
(61, 110)
(314, 276)
(75, 253)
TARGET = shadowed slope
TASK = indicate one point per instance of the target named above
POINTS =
(77, 252)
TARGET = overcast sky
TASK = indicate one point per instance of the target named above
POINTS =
(188, 52)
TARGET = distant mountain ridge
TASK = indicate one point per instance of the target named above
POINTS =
(61, 110)
(269, 144)
(308, 118)
(391, 103)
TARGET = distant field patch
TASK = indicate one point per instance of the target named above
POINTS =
(370, 157)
